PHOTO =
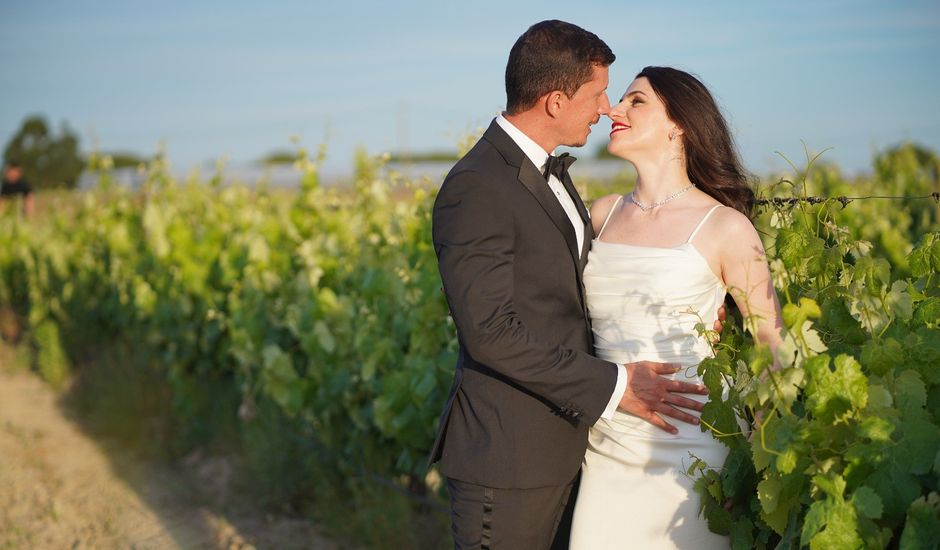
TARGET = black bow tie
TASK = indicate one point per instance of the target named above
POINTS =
(558, 166)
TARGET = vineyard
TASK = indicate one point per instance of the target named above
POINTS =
(307, 330)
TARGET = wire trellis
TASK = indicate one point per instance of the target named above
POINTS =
(792, 201)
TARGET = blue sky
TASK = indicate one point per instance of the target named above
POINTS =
(238, 78)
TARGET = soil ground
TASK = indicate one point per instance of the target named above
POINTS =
(61, 488)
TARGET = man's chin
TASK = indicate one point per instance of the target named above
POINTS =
(577, 143)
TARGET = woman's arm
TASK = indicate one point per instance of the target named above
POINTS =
(746, 274)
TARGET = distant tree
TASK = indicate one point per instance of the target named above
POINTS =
(279, 157)
(427, 156)
(121, 159)
(47, 161)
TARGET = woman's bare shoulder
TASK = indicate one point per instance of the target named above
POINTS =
(600, 210)
(601, 206)
(734, 231)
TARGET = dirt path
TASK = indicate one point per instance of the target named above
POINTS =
(61, 489)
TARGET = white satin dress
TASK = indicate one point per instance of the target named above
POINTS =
(644, 303)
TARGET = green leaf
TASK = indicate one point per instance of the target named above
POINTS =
(899, 302)
(719, 417)
(870, 310)
(923, 349)
(921, 259)
(713, 381)
(782, 438)
(425, 386)
(815, 519)
(794, 315)
(867, 503)
(324, 336)
(841, 530)
(768, 492)
(928, 313)
(895, 484)
(737, 475)
(876, 428)
(719, 520)
(879, 397)
(835, 395)
(919, 443)
(832, 485)
(811, 338)
(787, 461)
(790, 247)
(760, 455)
(781, 387)
(742, 534)
(922, 528)
(280, 380)
(881, 356)
(840, 324)
(777, 520)
(910, 392)
(871, 273)
(714, 489)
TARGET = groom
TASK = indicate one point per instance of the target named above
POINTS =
(512, 238)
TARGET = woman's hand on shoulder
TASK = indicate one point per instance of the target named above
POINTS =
(599, 210)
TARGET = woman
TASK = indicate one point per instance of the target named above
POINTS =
(664, 257)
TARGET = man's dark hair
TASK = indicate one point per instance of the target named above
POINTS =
(551, 55)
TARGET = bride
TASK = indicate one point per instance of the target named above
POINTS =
(664, 257)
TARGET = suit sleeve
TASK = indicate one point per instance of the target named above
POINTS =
(474, 238)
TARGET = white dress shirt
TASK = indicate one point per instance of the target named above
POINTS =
(539, 157)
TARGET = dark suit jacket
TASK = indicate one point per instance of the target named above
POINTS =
(526, 387)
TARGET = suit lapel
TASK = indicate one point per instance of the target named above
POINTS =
(533, 180)
(585, 219)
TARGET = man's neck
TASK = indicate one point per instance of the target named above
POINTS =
(535, 127)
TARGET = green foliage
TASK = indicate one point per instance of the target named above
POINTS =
(47, 160)
(310, 329)
(845, 447)
(51, 360)
(321, 310)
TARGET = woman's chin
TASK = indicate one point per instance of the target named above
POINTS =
(618, 152)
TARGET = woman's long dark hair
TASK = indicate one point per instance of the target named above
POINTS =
(712, 161)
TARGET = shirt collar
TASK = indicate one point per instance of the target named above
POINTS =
(533, 150)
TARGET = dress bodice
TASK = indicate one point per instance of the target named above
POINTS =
(645, 302)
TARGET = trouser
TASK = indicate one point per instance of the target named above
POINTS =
(484, 518)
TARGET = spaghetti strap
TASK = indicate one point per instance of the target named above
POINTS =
(609, 214)
(701, 223)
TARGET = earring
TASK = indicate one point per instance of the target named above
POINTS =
(672, 135)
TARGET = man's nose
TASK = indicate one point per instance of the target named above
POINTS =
(605, 105)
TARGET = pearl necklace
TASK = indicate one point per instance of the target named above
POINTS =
(675, 195)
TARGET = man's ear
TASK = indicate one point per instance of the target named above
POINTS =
(554, 101)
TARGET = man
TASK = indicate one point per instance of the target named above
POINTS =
(12, 185)
(512, 237)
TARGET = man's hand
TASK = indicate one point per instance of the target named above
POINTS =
(649, 395)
